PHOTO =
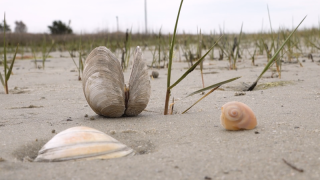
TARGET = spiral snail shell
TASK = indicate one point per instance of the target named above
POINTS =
(80, 143)
(236, 116)
(104, 87)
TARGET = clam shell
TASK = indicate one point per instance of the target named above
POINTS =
(237, 115)
(81, 143)
(103, 83)
(104, 87)
(139, 86)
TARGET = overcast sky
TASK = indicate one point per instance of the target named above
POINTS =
(91, 16)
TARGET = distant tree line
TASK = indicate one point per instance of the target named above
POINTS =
(4, 26)
(20, 27)
(57, 27)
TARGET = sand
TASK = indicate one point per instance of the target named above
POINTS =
(194, 145)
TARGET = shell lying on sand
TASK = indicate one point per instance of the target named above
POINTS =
(155, 74)
(236, 116)
(104, 87)
(80, 143)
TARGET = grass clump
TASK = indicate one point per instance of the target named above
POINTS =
(45, 51)
(274, 58)
(7, 70)
(169, 86)
(81, 63)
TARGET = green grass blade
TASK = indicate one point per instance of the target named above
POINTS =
(33, 51)
(80, 63)
(82, 59)
(159, 46)
(213, 86)
(1, 79)
(238, 44)
(274, 57)
(272, 38)
(74, 61)
(201, 71)
(11, 66)
(80, 55)
(128, 48)
(270, 20)
(278, 51)
(318, 47)
(222, 49)
(4, 48)
(44, 48)
(172, 46)
(193, 67)
(6, 67)
(49, 50)
(201, 99)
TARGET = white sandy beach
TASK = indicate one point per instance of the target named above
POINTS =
(194, 145)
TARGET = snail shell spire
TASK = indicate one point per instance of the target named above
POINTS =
(237, 115)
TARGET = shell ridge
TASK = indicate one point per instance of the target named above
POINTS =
(55, 149)
(130, 151)
(64, 133)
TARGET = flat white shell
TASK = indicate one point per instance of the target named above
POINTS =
(81, 143)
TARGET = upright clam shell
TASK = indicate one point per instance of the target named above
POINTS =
(139, 86)
(103, 83)
(237, 115)
(81, 143)
(104, 88)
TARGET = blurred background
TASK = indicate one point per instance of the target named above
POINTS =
(96, 16)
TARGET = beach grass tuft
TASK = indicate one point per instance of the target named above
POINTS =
(274, 58)
(7, 70)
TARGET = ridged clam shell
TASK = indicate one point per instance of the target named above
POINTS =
(82, 143)
(104, 87)
(237, 115)
(103, 83)
(139, 86)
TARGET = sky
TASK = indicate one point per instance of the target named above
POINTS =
(93, 16)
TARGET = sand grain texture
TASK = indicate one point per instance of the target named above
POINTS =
(189, 146)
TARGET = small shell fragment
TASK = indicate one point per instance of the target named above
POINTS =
(155, 74)
(80, 143)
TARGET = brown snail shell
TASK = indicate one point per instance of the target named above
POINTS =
(104, 87)
(236, 116)
(82, 143)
